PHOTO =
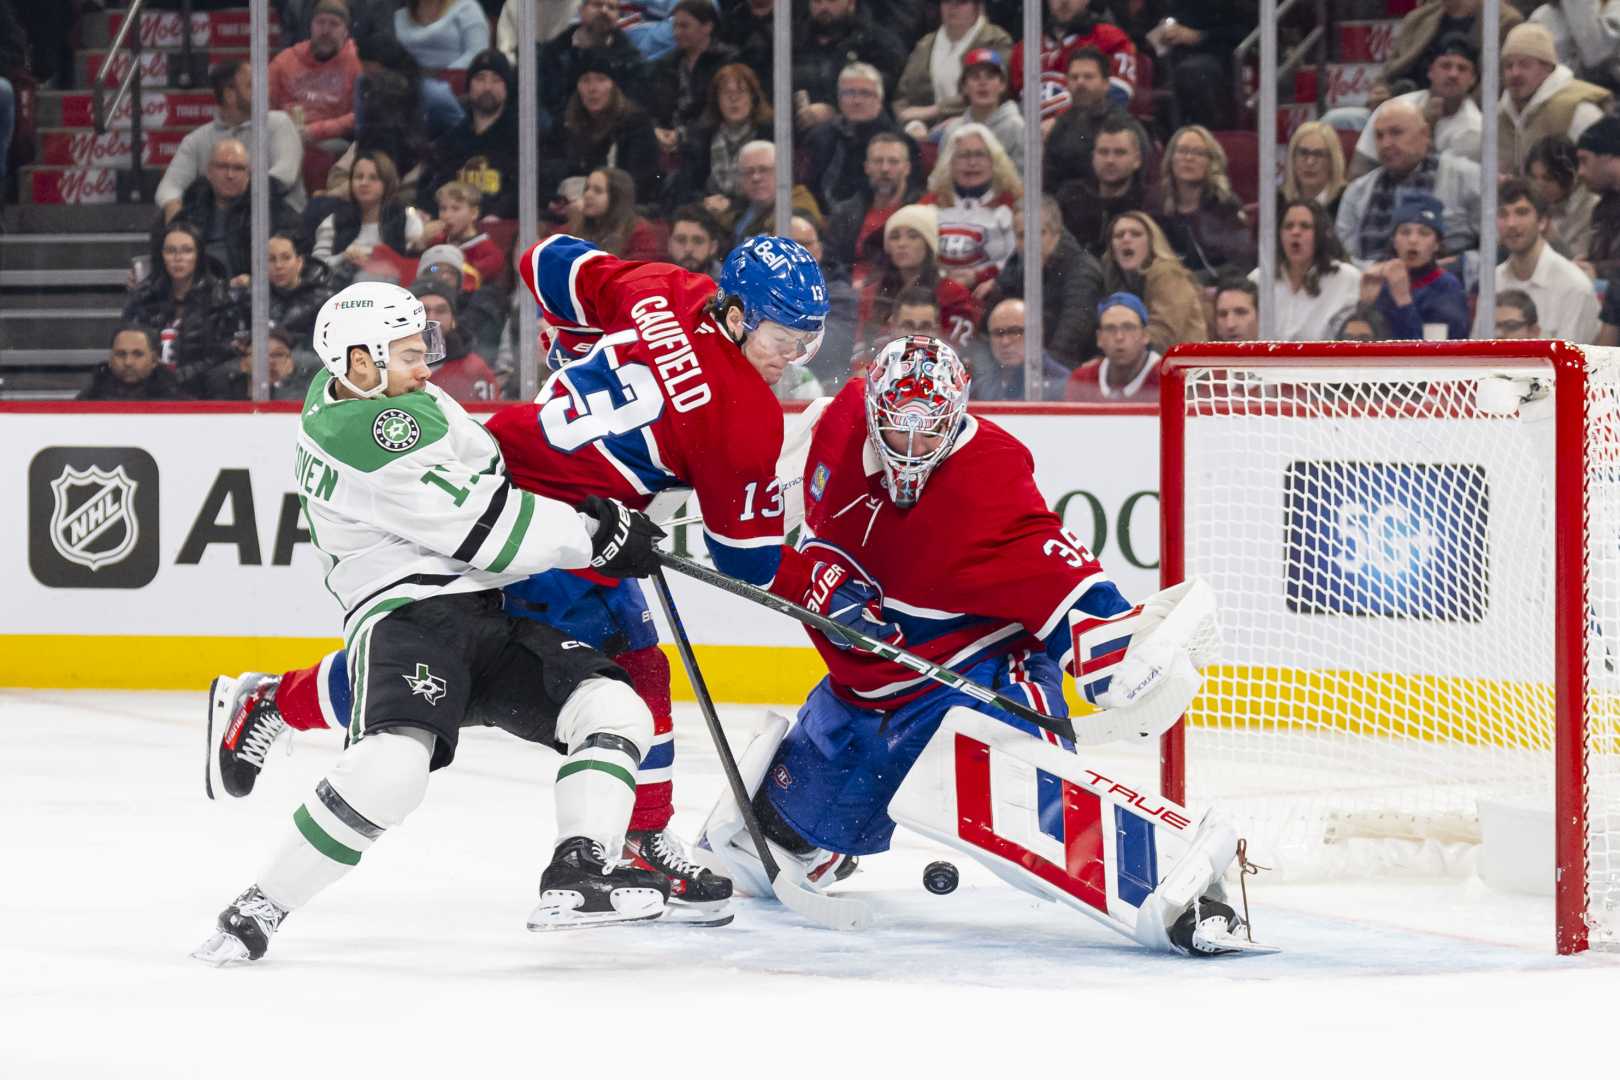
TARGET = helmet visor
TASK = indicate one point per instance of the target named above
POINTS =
(432, 344)
(795, 346)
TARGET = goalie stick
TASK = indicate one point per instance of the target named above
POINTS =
(1057, 725)
(835, 912)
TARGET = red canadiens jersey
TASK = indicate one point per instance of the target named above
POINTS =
(978, 568)
(663, 399)
(1109, 39)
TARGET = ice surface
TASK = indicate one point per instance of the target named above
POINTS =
(113, 866)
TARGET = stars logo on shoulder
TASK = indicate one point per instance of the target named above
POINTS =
(396, 430)
(426, 684)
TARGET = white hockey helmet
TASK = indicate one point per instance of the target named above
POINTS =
(917, 388)
(372, 314)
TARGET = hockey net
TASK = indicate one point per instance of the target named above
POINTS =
(1416, 553)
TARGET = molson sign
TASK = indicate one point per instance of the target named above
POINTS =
(85, 149)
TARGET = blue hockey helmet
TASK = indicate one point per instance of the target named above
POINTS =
(776, 280)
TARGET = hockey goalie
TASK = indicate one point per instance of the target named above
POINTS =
(922, 526)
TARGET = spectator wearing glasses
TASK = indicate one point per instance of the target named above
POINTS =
(1314, 281)
(735, 115)
(185, 306)
(681, 78)
(1200, 215)
(1001, 378)
(1071, 285)
(755, 212)
(233, 380)
(1408, 165)
(932, 86)
(1315, 167)
(1361, 323)
(1516, 317)
(836, 34)
(131, 371)
(232, 83)
(975, 187)
(835, 152)
(219, 205)
(1128, 369)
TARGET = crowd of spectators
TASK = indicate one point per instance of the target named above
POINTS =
(393, 148)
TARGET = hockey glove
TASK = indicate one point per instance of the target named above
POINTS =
(625, 539)
(850, 603)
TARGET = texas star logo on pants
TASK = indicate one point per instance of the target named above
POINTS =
(426, 684)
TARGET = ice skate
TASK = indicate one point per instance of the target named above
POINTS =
(581, 888)
(244, 930)
(242, 726)
(1210, 927)
(697, 895)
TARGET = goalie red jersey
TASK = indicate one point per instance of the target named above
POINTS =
(980, 567)
(661, 399)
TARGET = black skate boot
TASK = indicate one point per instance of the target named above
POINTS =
(244, 930)
(581, 888)
(242, 725)
(1208, 928)
(697, 895)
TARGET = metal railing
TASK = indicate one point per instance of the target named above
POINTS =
(1317, 39)
(129, 87)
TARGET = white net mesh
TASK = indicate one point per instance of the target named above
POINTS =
(1381, 544)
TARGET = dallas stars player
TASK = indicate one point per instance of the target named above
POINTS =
(407, 498)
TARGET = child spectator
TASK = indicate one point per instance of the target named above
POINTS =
(1419, 300)
(1516, 316)
(460, 207)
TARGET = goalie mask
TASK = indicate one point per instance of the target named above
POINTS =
(916, 406)
(373, 314)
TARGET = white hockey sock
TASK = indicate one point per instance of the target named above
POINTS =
(373, 785)
(596, 789)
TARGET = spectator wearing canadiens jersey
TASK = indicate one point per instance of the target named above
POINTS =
(1068, 26)
(975, 186)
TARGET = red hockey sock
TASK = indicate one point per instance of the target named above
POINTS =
(298, 698)
(649, 674)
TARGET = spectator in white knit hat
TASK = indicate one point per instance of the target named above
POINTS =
(1540, 96)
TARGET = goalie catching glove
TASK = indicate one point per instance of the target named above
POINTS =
(1141, 667)
(624, 542)
(850, 603)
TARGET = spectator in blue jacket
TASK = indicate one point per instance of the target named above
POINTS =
(1420, 300)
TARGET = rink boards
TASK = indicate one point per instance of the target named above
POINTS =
(156, 547)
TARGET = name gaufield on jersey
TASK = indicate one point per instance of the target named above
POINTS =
(661, 397)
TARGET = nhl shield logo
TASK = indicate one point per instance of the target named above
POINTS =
(93, 521)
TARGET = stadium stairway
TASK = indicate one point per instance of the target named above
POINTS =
(66, 247)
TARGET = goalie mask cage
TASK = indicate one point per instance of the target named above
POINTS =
(1416, 553)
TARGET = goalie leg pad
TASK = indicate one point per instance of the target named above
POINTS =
(1049, 825)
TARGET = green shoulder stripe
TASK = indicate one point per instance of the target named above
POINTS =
(366, 434)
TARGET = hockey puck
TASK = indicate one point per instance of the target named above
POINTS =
(940, 878)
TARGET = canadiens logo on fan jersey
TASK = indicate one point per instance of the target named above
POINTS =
(396, 430)
(961, 243)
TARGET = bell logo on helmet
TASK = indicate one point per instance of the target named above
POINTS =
(396, 430)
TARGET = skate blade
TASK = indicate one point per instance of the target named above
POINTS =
(680, 913)
(220, 950)
(220, 693)
(559, 909)
(1215, 945)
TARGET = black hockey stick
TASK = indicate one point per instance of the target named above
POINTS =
(838, 913)
(1057, 725)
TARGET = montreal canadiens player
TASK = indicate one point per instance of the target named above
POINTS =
(409, 502)
(666, 390)
(922, 526)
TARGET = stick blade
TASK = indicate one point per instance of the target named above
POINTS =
(832, 912)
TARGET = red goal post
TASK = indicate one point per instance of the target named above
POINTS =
(1400, 421)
